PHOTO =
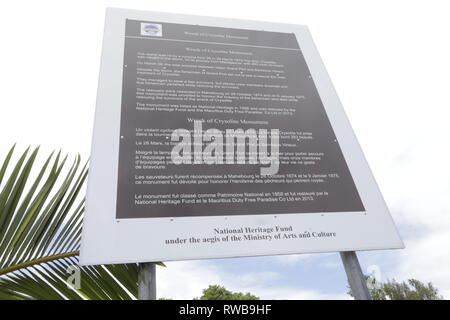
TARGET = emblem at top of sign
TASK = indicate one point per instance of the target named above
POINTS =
(151, 29)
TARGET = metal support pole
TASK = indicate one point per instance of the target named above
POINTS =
(355, 276)
(147, 281)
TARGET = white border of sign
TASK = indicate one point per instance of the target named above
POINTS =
(107, 240)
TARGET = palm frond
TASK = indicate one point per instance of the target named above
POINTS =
(40, 233)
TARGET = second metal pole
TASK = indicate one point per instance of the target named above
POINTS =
(358, 283)
(147, 281)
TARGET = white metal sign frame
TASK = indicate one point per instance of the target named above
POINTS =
(107, 240)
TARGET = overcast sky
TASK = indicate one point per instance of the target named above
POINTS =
(390, 64)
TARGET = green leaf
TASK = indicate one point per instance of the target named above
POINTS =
(5, 163)
(40, 234)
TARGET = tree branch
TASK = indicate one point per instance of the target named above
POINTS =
(38, 261)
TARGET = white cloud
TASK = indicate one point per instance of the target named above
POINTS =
(289, 293)
(187, 279)
(427, 259)
(417, 185)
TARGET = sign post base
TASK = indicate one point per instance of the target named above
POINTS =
(147, 281)
(355, 277)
